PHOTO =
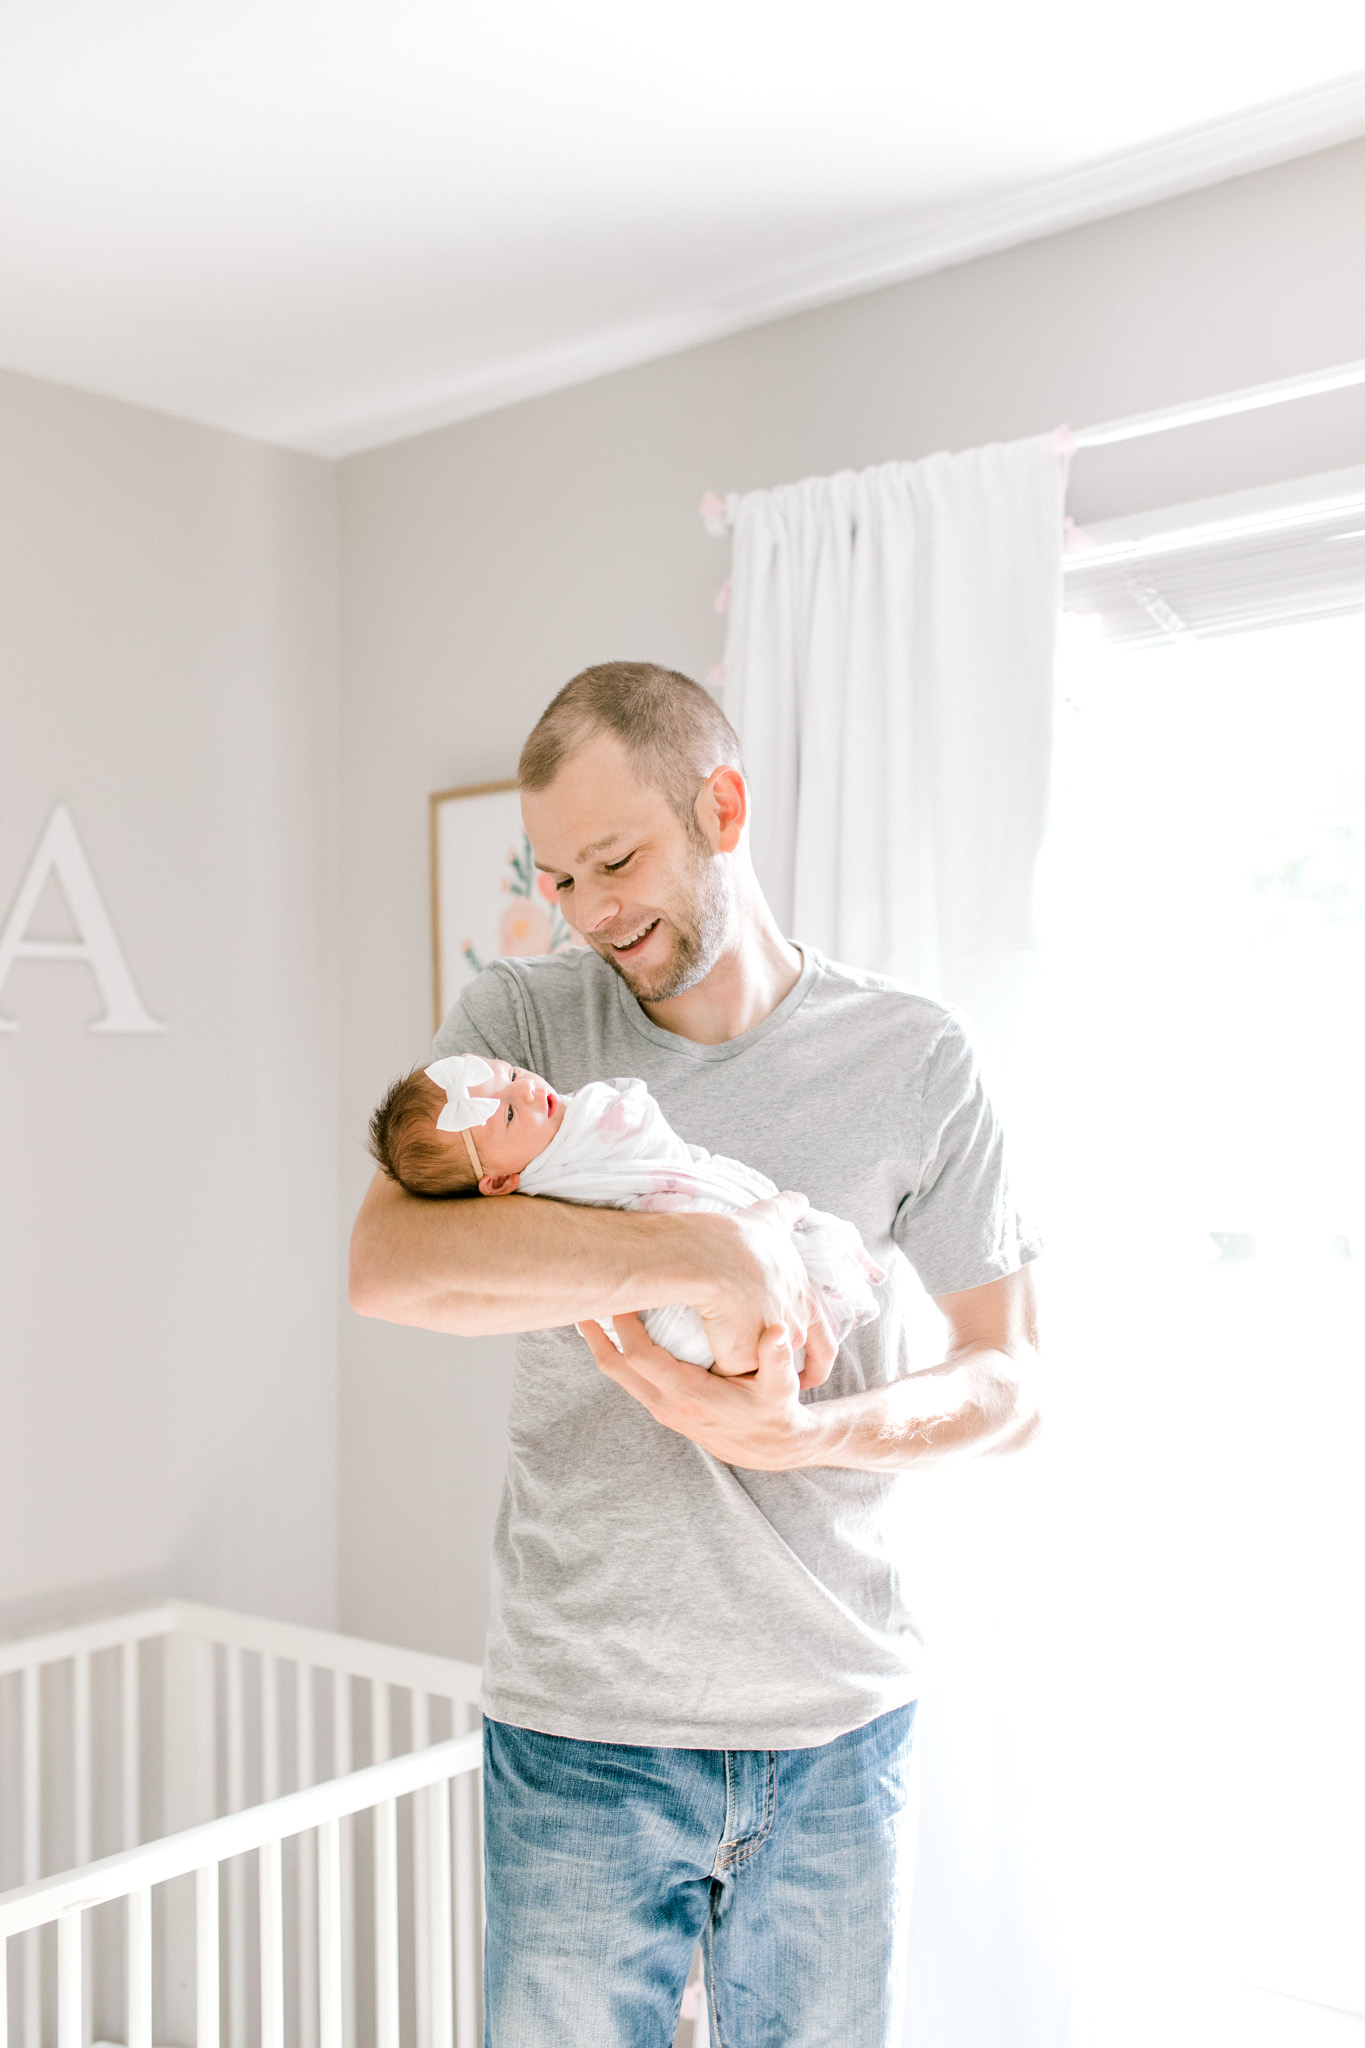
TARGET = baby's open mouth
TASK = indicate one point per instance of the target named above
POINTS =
(637, 940)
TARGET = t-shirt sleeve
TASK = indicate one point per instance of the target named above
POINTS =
(490, 1019)
(959, 1227)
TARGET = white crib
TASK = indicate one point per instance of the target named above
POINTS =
(225, 1875)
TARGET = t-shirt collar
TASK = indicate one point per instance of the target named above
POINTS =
(729, 1048)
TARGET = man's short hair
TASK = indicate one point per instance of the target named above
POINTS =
(673, 729)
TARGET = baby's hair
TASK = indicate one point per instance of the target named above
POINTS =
(405, 1142)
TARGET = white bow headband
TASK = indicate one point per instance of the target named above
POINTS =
(457, 1074)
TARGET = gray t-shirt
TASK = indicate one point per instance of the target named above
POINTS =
(642, 1591)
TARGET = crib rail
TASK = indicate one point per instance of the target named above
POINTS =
(120, 1733)
(131, 1874)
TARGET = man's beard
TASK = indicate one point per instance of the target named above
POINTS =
(699, 925)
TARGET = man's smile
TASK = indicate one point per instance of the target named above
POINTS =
(623, 947)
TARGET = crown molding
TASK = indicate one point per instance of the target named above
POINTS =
(1270, 134)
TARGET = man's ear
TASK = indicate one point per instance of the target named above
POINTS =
(499, 1183)
(724, 797)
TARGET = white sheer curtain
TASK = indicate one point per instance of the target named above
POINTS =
(889, 671)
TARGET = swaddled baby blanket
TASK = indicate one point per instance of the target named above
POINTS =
(615, 1149)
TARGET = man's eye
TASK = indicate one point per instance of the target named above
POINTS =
(614, 867)
(564, 882)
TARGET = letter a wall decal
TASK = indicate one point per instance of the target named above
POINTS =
(59, 852)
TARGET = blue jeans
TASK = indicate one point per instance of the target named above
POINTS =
(607, 1863)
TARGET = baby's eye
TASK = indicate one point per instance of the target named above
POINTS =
(510, 1112)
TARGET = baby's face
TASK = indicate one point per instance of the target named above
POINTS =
(528, 1115)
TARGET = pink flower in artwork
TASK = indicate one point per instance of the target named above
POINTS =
(523, 929)
(546, 886)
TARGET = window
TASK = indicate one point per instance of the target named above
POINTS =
(1193, 1108)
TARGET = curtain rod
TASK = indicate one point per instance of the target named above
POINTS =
(1252, 399)
(717, 513)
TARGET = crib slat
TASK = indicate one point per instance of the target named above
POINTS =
(272, 1945)
(236, 1730)
(342, 1754)
(273, 1977)
(386, 1924)
(305, 1869)
(441, 2023)
(380, 1750)
(270, 1725)
(131, 1757)
(4, 1992)
(236, 1870)
(140, 1968)
(303, 1724)
(421, 1889)
(33, 1988)
(341, 1723)
(465, 1911)
(70, 1998)
(206, 1987)
(329, 1935)
(80, 1753)
(32, 1767)
(81, 1818)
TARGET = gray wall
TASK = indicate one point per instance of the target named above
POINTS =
(483, 564)
(169, 1240)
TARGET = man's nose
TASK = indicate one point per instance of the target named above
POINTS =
(597, 912)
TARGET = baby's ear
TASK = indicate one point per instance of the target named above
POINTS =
(499, 1183)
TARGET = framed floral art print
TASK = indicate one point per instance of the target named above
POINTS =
(487, 901)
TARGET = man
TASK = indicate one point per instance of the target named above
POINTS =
(702, 1670)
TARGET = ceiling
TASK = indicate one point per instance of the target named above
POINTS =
(331, 223)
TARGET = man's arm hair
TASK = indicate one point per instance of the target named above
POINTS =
(488, 1266)
(981, 1399)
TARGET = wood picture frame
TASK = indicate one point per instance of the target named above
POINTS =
(487, 902)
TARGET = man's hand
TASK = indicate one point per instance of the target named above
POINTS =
(756, 1281)
(756, 1422)
(979, 1400)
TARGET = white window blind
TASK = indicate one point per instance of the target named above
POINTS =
(1226, 565)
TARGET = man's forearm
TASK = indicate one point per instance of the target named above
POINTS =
(981, 1399)
(487, 1267)
(977, 1402)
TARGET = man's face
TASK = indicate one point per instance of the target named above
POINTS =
(652, 898)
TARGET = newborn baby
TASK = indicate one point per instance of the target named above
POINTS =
(465, 1126)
